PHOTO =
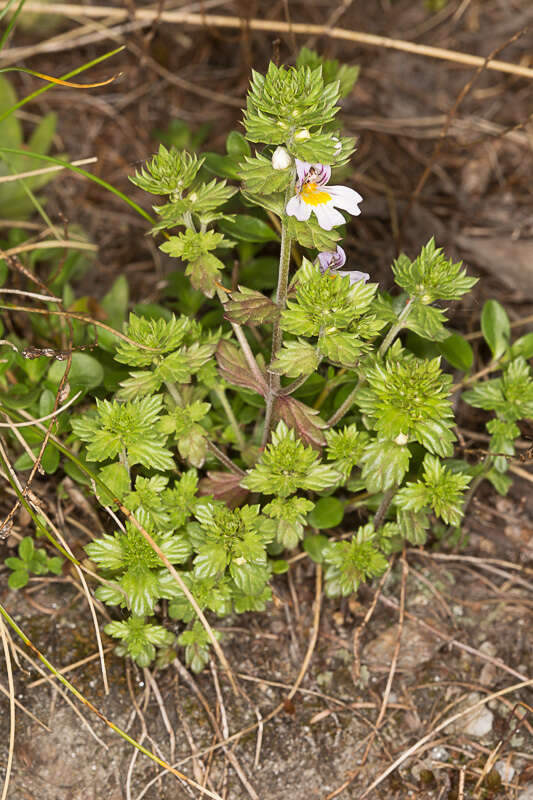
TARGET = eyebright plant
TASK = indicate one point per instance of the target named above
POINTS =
(232, 444)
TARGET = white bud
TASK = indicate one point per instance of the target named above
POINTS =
(302, 135)
(401, 439)
(280, 158)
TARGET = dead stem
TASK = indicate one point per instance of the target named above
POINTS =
(279, 27)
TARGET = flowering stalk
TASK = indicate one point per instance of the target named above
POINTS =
(274, 381)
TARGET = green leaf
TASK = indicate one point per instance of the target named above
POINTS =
(261, 178)
(457, 351)
(86, 372)
(314, 545)
(222, 166)
(26, 549)
(246, 228)
(327, 513)
(18, 579)
(117, 481)
(431, 276)
(523, 347)
(296, 358)
(384, 464)
(248, 306)
(427, 322)
(55, 565)
(287, 465)
(496, 327)
(236, 145)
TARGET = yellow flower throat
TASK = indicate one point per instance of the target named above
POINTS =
(314, 196)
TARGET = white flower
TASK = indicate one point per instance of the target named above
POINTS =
(330, 261)
(280, 158)
(313, 194)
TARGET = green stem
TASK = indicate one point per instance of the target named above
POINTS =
(381, 513)
(274, 381)
(386, 343)
(221, 394)
(396, 328)
(291, 387)
(346, 405)
(224, 459)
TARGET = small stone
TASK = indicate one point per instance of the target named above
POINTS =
(478, 723)
(417, 647)
(439, 754)
(505, 771)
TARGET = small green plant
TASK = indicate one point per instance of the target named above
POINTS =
(31, 560)
(15, 197)
(250, 420)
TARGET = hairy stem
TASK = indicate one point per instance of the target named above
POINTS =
(396, 328)
(346, 405)
(274, 380)
(294, 385)
(224, 459)
(381, 513)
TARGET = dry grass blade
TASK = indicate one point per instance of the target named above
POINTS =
(7, 655)
(281, 706)
(70, 244)
(25, 710)
(405, 755)
(41, 419)
(279, 26)
(72, 666)
(44, 170)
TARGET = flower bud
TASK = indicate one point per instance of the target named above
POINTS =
(302, 135)
(280, 158)
(401, 439)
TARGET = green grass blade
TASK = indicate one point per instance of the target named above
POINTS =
(80, 171)
(12, 21)
(65, 77)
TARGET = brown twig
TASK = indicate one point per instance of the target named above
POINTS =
(414, 748)
(279, 26)
(356, 666)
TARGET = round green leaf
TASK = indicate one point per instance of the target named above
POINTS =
(221, 166)
(280, 566)
(237, 146)
(495, 327)
(248, 229)
(327, 513)
(50, 459)
(457, 351)
(85, 373)
(314, 545)
(18, 579)
(26, 548)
